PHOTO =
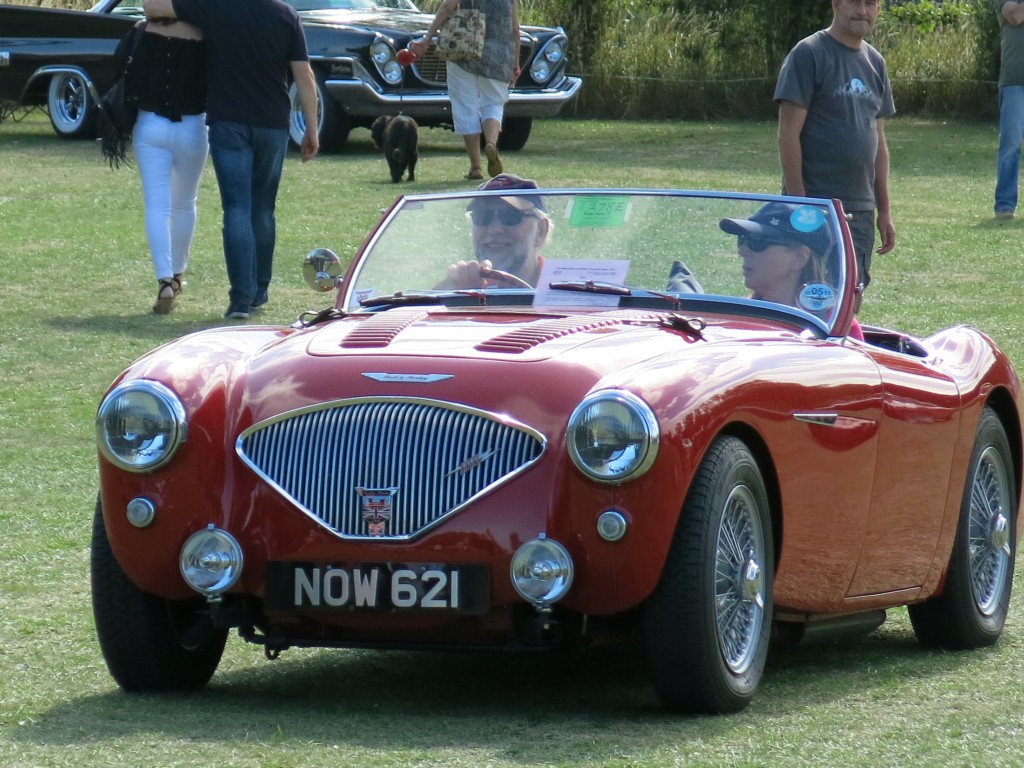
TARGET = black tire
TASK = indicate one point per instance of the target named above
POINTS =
(971, 610)
(515, 131)
(707, 625)
(71, 107)
(333, 125)
(149, 644)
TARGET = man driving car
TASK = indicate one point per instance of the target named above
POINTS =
(508, 232)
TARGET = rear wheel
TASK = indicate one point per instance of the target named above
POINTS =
(333, 125)
(72, 110)
(707, 625)
(971, 611)
(149, 644)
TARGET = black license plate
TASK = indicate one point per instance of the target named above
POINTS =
(391, 587)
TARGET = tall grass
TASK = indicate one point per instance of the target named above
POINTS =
(644, 59)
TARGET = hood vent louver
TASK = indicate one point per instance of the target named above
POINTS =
(380, 330)
(526, 338)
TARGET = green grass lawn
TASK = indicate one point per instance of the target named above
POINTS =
(76, 288)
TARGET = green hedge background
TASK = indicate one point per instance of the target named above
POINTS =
(704, 59)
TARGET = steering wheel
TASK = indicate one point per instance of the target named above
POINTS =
(504, 278)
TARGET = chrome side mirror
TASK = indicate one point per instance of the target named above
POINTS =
(322, 270)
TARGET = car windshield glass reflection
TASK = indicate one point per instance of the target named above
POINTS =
(562, 247)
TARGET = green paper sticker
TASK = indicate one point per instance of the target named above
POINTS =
(599, 211)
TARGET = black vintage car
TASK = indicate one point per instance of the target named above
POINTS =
(50, 57)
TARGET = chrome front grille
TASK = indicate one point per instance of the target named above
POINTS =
(387, 468)
(433, 70)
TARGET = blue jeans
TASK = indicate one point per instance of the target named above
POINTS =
(1011, 131)
(248, 162)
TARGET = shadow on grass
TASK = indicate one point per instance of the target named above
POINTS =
(534, 707)
(145, 325)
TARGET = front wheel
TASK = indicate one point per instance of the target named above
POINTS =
(333, 125)
(707, 625)
(72, 110)
(515, 131)
(971, 611)
(149, 644)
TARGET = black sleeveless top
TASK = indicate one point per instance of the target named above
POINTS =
(168, 76)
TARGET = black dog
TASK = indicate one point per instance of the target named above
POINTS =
(399, 136)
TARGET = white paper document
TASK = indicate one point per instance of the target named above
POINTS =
(579, 271)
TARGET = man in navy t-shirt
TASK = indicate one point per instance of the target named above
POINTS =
(252, 47)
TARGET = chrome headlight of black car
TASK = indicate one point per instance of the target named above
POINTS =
(383, 54)
(140, 425)
(548, 59)
(612, 436)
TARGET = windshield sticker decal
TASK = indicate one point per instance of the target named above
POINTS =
(598, 211)
(807, 218)
(817, 297)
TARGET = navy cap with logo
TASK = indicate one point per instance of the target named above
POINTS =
(785, 222)
(509, 181)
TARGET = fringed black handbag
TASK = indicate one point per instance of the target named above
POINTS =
(117, 110)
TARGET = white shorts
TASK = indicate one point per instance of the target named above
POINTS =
(474, 99)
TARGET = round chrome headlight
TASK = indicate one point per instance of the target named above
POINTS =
(140, 425)
(380, 52)
(612, 436)
(392, 71)
(211, 561)
(541, 571)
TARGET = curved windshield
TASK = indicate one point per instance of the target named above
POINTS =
(351, 5)
(593, 248)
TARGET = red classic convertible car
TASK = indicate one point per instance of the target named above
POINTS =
(543, 418)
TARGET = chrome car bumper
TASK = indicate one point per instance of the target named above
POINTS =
(361, 99)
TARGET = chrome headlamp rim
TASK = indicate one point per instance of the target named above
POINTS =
(541, 563)
(548, 59)
(173, 411)
(644, 415)
(385, 59)
(211, 561)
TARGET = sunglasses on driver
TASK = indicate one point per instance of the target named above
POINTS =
(757, 243)
(508, 217)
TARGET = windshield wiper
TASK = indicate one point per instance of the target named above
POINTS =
(401, 299)
(592, 286)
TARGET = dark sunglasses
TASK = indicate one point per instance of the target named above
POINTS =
(509, 217)
(756, 243)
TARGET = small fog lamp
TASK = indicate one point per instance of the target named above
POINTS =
(541, 571)
(211, 561)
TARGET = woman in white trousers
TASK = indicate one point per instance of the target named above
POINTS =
(170, 158)
(166, 79)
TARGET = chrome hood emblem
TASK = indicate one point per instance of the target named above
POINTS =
(471, 463)
(409, 378)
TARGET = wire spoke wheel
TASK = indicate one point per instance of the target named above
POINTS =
(989, 530)
(707, 625)
(739, 582)
(971, 609)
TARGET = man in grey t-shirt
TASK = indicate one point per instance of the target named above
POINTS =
(834, 94)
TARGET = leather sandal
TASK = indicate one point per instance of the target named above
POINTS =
(493, 160)
(180, 283)
(165, 302)
(475, 174)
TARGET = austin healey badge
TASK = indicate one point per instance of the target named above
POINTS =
(375, 508)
